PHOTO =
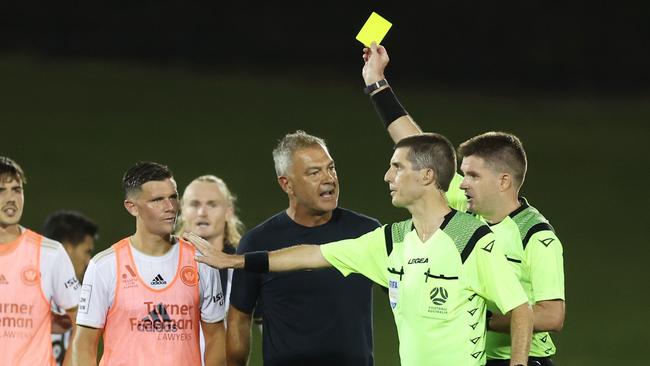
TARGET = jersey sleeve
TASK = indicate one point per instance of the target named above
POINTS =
(365, 255)
(245, 288)
(66, 287)
(491, 277)
(213, 302)
(95, 298)
(544, 256)
(455, 196)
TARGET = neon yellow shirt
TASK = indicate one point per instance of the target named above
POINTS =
(437, 289)
(535, 254)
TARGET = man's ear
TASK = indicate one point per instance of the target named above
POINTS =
(505, 182)
(428, 176)
(285, 184)
(131, 207)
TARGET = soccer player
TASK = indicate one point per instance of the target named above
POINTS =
(309, 318)
(34, 272)
(208, 210)
(77, 233)
(494, 166)
(440, 266)
(146, 294)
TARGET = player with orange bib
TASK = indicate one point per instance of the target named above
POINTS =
(34, 271)
(146, 294)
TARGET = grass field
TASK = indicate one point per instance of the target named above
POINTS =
(75, 126)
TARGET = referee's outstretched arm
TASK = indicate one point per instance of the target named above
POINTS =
(287, 259)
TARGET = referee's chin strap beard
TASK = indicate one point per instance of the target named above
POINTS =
(257, 262)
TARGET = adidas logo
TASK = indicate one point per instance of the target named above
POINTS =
(3, 280)
(158, 280)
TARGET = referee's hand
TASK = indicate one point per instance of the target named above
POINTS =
(375, 61)
(213, 257)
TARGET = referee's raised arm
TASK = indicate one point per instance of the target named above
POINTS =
(391, 112)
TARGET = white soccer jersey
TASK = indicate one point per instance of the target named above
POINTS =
(58, 280)
(98, 291)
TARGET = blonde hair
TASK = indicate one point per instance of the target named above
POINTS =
(234, 226)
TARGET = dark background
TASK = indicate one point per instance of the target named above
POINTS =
(205, 87)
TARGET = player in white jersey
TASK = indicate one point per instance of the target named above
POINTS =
(146, 295)
(34, 272)
(208, 210)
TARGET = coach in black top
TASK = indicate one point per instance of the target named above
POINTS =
(309, 317)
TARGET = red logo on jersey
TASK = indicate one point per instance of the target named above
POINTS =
(30, 275)
(189, 276)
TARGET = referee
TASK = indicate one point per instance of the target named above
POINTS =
(440, 266)
(494, 165)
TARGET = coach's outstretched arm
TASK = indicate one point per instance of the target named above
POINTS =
(287, 259)
(396, 119)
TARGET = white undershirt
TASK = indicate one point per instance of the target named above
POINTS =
(98, 290)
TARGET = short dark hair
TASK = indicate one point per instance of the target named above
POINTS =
(11, 169)
(143, 172)
(69, 226)
(500, 149)
(432, 151)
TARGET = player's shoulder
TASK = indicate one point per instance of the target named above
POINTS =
(46, 244)
(106, 256)
(530, 221)
(50, 245)
(52, 251)
(207, 274)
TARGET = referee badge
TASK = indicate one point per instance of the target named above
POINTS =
(393, 293)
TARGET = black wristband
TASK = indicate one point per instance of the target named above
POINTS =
(387, 106)
(257, 262)
(374, 86)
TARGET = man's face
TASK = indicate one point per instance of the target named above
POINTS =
(313, 181)
(80, 254)
(12, 200)
(403, 181)
(480, 183)
(205, 210)
(155, 206)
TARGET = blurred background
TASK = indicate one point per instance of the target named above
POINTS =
(89, 88)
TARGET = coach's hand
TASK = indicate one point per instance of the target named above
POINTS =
(212, 256)
(375, 61)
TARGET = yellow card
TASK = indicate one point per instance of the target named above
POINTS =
(375, 29)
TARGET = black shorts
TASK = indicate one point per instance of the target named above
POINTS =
(532, 361)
